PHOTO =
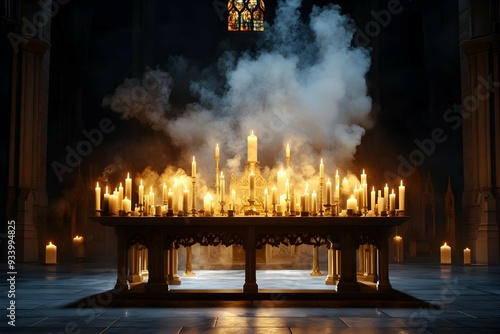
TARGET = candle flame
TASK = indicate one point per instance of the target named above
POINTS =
(401, 183)
(141, 182)
(128, 175)
(266, 191)
(363, 170)
(50, 243)
(221, 174)
(217, 146)
(373, 188)
(321, 161)
(337, 172)
(252, 132)
(121, 185)
(97, 186)
(193, 159)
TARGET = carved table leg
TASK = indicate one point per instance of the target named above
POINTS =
(250, 262)
(348, 279)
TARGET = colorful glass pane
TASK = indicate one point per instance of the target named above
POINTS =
(258, 20)
(233, 22)
(246, 20)
(239, 4)
(252, 4)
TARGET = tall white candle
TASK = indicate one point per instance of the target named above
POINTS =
(128, 187)
(105, 205)
(401, 197)
(97, 197)
(164, 194)
(392, 201)
(266, 199)
(50, 254)
(328, 192)
(233, 198)
(314, 202)
(321, 169)
(252, 148)
(445, 254)
(185, 200)
(151, 196)
(217, 151)
(307, 198)
(372, 203)
(141, 194)
(170, 202)
(193, 168)
(364, 191)
(381, 204)
(287, 151)
(287, 189)
(274, 195)
(222, 186)
(252, 186)
(120, 196)
(281, 179)
(363, 177)
(386, 196)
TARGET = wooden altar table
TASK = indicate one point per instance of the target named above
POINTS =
(161, 235)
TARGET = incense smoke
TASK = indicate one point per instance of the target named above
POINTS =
(303, 84)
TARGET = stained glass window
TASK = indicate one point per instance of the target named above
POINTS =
(245, 15)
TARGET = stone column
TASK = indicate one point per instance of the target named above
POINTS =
(315, 265)
(250, 262)
(479, 118)
(134, 276)
(189, 262)
(383, 270)
(156, 264)
(348, 279)
(173, 261)
(331, 264)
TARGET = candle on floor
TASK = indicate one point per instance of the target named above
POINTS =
(78, 246)
(50, 254)
(445, 254)
(467, 256)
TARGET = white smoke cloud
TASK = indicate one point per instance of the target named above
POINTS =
(304, 84)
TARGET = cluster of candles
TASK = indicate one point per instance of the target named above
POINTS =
(280, 199)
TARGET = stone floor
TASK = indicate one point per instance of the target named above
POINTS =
(468, 298)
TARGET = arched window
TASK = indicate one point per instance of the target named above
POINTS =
(245, 15)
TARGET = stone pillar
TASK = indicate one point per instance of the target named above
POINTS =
(250, 262)
(26, 188)
(315, 265)
(371, 264)
(479, 117)
(348, 279)
(173, 261)
(189, 262)
(134, 276)
(331, 264)
(121, 261)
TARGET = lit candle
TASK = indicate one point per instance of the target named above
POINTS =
(97, 197)
(151, 196)
(217, 152)
(352, 203)
(401, 197)
(50, 254)
(381, 204)
(141, 194)
(252, 148)
(287, 151)
(127, 205)
(445, 254)
(364, 192)
(120, 196)
(128, 187)
(280, 185)
(252, 186)
(78, 246)
(164, 194)
(222, 186)
(386, 196)
(398, 241)
(185, 200)
(392, 201)
(337, 178)
(321, 169)
(363, 177)
(467, 256)
(193, 168)
(328, 192)
(207, 204)
(307, 198)
(356, 193)
(287, 189)
(373, 199)
(266, 199)
(170, 202)
(105, 203)
(233, 198)
(113, 203)
(274, 195)
(336, 198)
(314, 202)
